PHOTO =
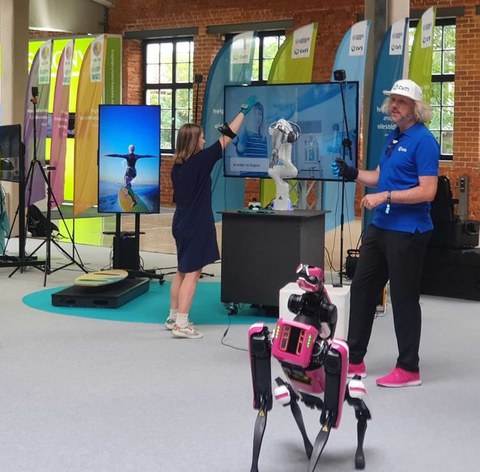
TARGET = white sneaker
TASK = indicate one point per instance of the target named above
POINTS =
(170, 323)
(187, 331)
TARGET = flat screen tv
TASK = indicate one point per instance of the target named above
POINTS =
(11, 152)
(129, 159)
(326, 114)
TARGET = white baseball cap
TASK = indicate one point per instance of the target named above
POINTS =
(407, 88)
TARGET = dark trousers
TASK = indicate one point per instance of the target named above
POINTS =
(396, 256)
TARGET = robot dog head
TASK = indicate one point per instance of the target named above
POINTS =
(313, 307)
(310, 278)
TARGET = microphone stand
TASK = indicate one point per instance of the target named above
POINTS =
(346, 145)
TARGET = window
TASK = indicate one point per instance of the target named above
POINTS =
(267, 43)
(443, 83)
(266, 46)
(169, 83)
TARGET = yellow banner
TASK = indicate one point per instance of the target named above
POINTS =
(89, 97)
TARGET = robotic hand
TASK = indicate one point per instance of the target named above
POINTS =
(315, 364)
(284, 133)
(341, 169)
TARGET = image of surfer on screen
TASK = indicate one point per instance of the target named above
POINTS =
(130, 173)
(131, 159)
(251, 140)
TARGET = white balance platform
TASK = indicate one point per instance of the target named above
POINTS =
(340, 297)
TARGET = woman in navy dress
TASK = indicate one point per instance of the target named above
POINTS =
(193, 225)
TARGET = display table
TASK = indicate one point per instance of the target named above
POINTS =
(339, 296)
(261, 252)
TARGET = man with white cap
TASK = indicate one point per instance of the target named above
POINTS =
(394, 244)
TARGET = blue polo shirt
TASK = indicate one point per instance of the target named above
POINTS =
(405, 157)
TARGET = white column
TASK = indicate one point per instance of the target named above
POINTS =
(398, 9)
(14, 41)
(14, 74)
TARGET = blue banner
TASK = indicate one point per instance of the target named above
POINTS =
(350, 57)
(231, 66)
(388, 69)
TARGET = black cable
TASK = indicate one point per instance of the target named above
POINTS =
(225, 334)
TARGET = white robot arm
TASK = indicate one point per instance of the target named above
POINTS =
(283, 134)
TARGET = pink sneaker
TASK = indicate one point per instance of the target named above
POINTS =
(357, 369)
(400, 378)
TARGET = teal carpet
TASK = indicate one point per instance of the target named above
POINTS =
(153, 307)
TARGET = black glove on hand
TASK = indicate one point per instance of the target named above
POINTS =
(341, 169)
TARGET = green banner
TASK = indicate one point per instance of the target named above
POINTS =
(420, 66)
(113, 70)
(293, 63)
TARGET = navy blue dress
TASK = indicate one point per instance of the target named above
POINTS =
(193, 224)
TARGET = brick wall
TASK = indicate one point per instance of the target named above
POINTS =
(467, 109)
(334, 19)
(137, 15)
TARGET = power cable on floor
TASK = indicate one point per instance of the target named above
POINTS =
(225, 334)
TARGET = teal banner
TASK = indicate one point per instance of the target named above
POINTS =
(350, 57)
(388, 69)
(231, 66)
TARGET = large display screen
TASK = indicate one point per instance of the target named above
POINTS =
(11, 151)
(326, 114)
(129, 159)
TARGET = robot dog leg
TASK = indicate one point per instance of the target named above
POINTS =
(287, 396)
(354, 397)
(335, 362)
(260, 353)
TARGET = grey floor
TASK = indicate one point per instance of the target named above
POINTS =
(82, 395)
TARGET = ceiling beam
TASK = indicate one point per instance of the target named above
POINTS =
(106, 3)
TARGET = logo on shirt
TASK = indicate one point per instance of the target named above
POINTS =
(402, 149)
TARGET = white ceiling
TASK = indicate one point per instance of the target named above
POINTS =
(69, 16)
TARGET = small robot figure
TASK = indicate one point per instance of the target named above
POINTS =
(315, 365)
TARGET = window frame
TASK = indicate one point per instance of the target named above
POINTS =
(441, 79)
(260, 37)
(173, 86)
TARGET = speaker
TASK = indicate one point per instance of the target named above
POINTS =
(449, 230)
(451, 273)
(125, 253)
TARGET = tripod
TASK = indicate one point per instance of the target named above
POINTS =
(45, 172)
(23, 260)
